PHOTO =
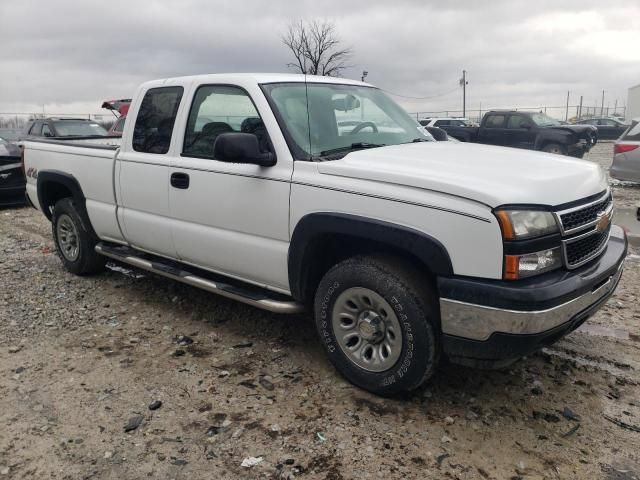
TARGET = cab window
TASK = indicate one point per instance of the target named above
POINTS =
(218, 109)
(495, 121)
(517, 121)
(155, 120)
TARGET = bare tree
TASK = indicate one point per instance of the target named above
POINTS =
(317, 48)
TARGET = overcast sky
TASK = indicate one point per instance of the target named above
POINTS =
(68, 56)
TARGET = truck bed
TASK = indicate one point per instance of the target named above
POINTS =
(88, 160)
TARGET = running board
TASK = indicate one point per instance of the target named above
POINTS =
(251, 295)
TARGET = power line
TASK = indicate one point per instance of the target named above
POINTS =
(419, 98)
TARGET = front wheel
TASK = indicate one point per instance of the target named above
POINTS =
(75, 245)
(378, 321)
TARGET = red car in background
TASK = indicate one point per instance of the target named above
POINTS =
(122, 107)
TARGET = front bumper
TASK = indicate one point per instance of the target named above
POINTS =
(494, 322)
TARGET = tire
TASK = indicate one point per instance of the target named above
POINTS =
(75, 245)
(412, 352)
(554, 148)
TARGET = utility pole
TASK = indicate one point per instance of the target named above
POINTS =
(615, 107)
(580, 109)
(566, 112)
(602, 104)
(464, 83)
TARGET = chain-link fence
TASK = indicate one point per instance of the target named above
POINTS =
(571, 113)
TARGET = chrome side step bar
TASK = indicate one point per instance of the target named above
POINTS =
(254, 296)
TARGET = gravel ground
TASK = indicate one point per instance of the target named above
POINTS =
(83, 358)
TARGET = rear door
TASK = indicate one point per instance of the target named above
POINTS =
(494, 129)
(231, 218)
(142, 173)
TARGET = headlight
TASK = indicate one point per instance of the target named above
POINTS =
(528, 264)
(522, 224)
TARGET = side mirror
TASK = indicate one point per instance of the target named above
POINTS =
(439, 134)
(48, 134)
(241, 148)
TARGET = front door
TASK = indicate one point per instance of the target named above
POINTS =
(520, 132)
(231, 218)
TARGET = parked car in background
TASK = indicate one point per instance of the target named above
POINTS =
(12, 181)
(608, 128)
(441, 122)
(404, 248)
(530, 130)
(118, 127)
(626, 155)
(122, 107)
(62, 128)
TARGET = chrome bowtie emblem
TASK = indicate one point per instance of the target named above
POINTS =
(603, 219)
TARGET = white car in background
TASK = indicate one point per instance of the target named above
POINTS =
(447, 122)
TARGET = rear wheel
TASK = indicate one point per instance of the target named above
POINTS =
(554, 148)
(75, 245)
(378, 321)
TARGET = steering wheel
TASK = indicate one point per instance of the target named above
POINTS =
(362, 126)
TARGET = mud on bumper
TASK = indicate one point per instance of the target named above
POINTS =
(492, 323)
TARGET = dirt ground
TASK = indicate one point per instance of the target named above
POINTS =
(82, 359)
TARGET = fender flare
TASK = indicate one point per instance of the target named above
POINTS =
(70, 183)
(315, 225)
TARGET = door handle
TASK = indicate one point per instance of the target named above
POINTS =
(180, 180)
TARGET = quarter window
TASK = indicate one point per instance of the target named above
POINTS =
(157, 115)
(218, 109)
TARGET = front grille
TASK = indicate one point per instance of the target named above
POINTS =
(584, 216)
(582, 250)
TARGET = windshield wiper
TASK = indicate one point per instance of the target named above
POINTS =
(353, 146)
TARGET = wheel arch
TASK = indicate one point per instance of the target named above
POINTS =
(320, 240)
(54, 185)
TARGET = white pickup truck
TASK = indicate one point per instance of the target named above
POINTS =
(289, 192)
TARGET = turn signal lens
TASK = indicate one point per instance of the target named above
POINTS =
(527, 265)
(522, 224)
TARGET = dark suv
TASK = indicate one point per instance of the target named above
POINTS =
(62, 128)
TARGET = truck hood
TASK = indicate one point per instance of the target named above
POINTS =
(490, 175)
(579, 129)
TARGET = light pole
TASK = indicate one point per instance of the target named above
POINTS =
(464, 83)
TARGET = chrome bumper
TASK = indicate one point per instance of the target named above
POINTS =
(479, 322)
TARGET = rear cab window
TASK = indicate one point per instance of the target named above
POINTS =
(156, 119)
(494, 121)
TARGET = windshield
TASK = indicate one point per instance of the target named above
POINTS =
(79, 128)
(324, 119)
(543, 120)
